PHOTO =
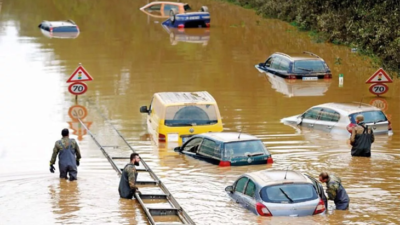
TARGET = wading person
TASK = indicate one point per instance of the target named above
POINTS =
(361, 138)
(127, 184)
(335, 190)
(68, 156)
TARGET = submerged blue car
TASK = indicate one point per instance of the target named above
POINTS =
(188, 19)
(226, 149)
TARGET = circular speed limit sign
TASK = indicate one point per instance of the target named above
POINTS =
(77, 111)
(378, 89)
(77, 88)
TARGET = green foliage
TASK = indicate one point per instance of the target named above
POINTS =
(372, 26)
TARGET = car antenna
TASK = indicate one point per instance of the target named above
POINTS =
(239, 134)
(286, 172)
(361, 102)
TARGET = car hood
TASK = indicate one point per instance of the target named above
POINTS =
(291, 119)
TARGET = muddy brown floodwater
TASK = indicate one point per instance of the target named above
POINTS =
(131, 56)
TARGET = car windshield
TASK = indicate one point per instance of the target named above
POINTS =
(304, 66)
(288, 193)
(369, 116)
(191, 115)
(245, 148)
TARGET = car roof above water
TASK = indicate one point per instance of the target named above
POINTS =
(229, 136)
(272, 177)
(65, 23)
(349, 108)
(185, 97)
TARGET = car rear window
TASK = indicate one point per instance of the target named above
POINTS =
(191, 115)
(304, 66)
(242, 148)
(369, 116)
(296, 192)
(65, 29)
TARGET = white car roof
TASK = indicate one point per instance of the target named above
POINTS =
(61, 23)
(349, 108)
(273, 177)
(229, 136)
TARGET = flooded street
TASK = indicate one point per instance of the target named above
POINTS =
(131, 56)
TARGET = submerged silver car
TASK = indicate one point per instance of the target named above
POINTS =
(339, 117)
(279, 193)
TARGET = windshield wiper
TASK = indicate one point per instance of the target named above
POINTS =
(304, 69)
(255, 154)
(379, 121)
(286, 195)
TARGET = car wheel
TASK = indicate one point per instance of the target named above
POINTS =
(204, 9)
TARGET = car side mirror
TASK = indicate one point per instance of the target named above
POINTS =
(261, 64)
(177, 149)
(229, 188)
(299, 119)
(144, 109)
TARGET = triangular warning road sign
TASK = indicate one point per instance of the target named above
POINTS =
(380, 76)
(80, 74)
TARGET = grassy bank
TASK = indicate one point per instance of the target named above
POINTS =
(371, 26)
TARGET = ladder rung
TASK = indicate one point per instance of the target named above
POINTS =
(146, 182)
(120, 158)
(163, 211)
(140, 170)
(153, 196)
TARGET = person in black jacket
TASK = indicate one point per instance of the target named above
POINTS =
(127, 184)
(361, 138)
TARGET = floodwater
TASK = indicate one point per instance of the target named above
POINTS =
(131, 56)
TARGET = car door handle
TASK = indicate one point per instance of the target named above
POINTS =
(311, 125)
(329, 127)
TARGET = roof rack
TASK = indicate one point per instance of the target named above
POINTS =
(283, 54)
(310, 53)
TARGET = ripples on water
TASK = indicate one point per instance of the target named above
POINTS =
(128, 67)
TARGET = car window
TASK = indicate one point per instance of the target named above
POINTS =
(65, 29)
(329, 115)
(284, 65)
(242, 148)
(210, 148)
(285, 193)
(302, 66)
(312, 113)
(239, 187)
(268, 62)
(191, 145)
(191, 115)
(250, 189)
(369, 116)
(168, 7)
(275, 63)
(155, 7)
(186, 7)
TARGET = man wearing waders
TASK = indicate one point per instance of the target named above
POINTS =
(361, 138)
(127, 184)
(335, 191)
(68, 156)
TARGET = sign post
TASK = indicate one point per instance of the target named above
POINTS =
(78, 87)
(377, 80)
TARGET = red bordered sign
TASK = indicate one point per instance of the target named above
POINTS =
(378, 89)
(380, 103)
(77, 88)
(77, 111)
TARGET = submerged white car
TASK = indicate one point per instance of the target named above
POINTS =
(339, 117)
(279, 193)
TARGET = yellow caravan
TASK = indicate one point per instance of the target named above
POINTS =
(176, 116)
